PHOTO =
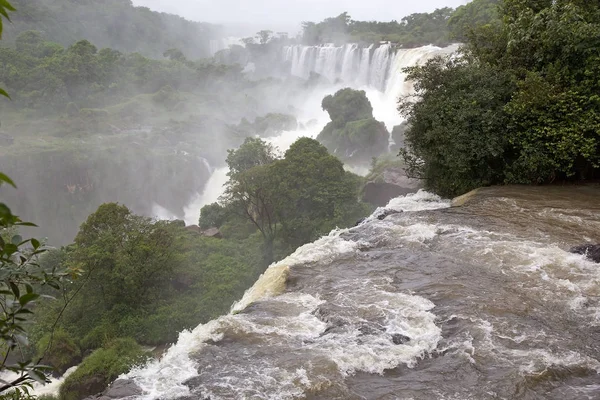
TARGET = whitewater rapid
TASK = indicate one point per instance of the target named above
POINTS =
(291, 319)
(478, 302)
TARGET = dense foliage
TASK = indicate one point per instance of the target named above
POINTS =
(520, 105)
(145, 280)
(112, 23)
(412, 31)
(43, 75)
(353, 133)
(290, 201)
(22, 281)
(102, 367)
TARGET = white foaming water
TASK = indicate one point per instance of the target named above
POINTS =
(212, 190)
(49, 389)
(380, 69)
(347, 348)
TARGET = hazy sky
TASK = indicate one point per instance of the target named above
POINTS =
(281, 14)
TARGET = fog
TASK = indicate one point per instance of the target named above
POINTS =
(149, 125)
(279, 15)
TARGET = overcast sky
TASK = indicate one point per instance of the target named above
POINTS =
(287, 14)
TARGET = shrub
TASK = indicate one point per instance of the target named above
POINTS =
(59, 351)
(100, 368)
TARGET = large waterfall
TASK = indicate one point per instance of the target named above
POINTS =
(376, 67)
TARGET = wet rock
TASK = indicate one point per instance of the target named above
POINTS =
(380, 193)
(369, 330)
(386, 213)
(210, 232)
(88, 386)
(119, 389)
(360, 221)
(591, 251)
(398, 338)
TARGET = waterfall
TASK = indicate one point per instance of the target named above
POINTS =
(349, 62)
(377, 68)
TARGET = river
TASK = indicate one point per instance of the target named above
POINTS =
(478, 301)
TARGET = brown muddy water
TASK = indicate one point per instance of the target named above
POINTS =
(480, 301)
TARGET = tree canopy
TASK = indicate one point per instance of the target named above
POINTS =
(112, 23)
(353, 133)
(291, 200)
(520, 105)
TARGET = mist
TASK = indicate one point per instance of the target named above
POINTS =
(248, 17)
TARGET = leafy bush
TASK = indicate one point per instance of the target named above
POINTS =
(101, 367)
(59, 350)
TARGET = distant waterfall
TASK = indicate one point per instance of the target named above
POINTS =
(376, 67)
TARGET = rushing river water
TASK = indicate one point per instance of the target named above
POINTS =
(480, 301)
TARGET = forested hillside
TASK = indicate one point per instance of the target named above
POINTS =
(110, 23)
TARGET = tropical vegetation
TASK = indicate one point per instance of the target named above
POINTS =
(518, 105)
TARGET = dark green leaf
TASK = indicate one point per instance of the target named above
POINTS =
(28, 298)
(15, 289)
(4, 177)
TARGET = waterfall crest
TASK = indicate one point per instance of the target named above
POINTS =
(378, 67)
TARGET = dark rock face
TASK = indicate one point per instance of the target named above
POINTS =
(379, 194)
(93, 384)
(119, 389)
(387, 184)
(591, 251)
(398, 338)
(386, 213)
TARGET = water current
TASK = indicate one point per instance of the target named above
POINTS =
(480, 301)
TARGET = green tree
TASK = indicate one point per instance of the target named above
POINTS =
(531, 77)
(472, 16)
(457, 142)
(294, 199)
(264, 36)
(353, 133)
(251, 190)
(314, 193)
(21, 281)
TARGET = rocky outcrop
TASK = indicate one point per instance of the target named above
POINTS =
(379, 194)
(386, 213)
(591, 251)
(213, 233)
(210, 232)
(119, 389)
(387, 184)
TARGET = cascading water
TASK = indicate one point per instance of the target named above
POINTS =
(479, 302)
(379, 68)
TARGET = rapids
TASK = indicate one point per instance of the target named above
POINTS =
(481, 301)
